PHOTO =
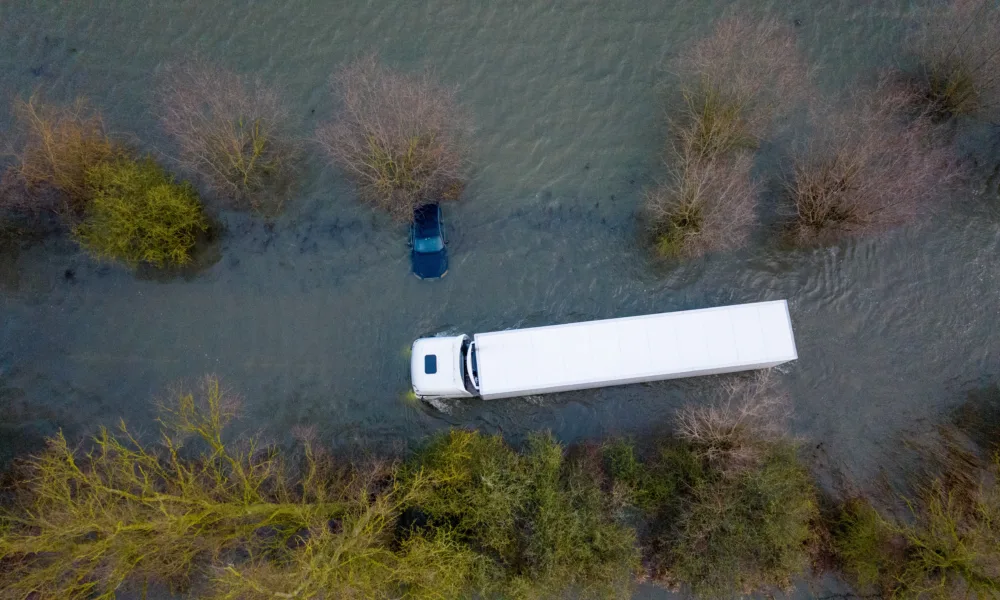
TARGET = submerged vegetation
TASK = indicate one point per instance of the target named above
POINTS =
(728, 510)
(957, 56)
(401, 137)
(232, 131)
(868, 167)
(875, 160)
(118, 207)
(945, 544)
(58, 144)
(732, 86)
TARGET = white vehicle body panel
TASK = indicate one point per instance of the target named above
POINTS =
(446, 380)
(593, 354)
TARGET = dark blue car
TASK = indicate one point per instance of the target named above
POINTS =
(429, 254)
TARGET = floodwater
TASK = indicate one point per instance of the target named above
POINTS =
(310, 319)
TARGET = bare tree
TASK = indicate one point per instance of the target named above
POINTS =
(232, 131)
(958, 54)
(402, 137)
(869, 167)
(704, 205)
(732, 430)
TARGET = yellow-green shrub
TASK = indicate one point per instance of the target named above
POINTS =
(87, 525)
(540, 519)
(137, 213)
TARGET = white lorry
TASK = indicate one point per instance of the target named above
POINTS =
(577, 356)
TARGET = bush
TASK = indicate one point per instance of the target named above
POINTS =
(128, 513)
(705, 205)
(866, 545)
(747, 532)
(957, 51)
(137, 213)
(732, 432)
(233, 132)
(124, 512)
(945, 544)
(733, 509)
(953, 546)
(401, 137)
(948, 547)
(732, 86)
(540, 518)
(868, 169)
(58, 146)
(734, 83)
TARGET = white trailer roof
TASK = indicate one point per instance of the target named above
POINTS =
(643, 348)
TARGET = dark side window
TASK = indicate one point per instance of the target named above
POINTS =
(430, 364)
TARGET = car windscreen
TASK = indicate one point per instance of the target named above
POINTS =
(428, 245)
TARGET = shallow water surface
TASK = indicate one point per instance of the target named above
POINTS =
(310, 319)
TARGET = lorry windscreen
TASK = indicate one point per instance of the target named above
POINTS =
(470, 373)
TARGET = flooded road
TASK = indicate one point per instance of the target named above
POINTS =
(310, 319)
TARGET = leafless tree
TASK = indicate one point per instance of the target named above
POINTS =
(232, 131)
(402, 137)
(733, 429)
(869, 167)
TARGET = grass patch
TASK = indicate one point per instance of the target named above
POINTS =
(401, 137)
(138, 214)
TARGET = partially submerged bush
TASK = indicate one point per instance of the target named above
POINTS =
(948, 546)
(137, 213)
(59, 144)
(540, 518)
(401, 137)
(957, 50)
(869, 168)
(232, 131)
(734, 508)
(734, 83)
(732, 86)
(732, 431)
(86, 525)
(747, 532)
(128, 513)
(704, 205)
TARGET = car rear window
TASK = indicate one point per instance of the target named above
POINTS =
(430, 364)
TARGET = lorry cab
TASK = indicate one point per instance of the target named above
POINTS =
(444, 367)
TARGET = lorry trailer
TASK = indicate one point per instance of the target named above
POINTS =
(591, 354)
